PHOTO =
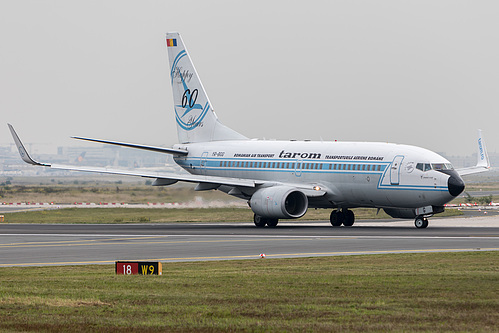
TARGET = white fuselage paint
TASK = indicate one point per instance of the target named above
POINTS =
(355, 174)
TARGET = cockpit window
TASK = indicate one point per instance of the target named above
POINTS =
(442, 166)
(434, 166)
(423, 166)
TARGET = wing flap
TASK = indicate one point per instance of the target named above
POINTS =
(162, 178)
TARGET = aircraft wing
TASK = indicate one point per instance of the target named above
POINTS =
(483, 163)
(162, 178)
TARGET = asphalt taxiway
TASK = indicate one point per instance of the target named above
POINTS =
(59, 244)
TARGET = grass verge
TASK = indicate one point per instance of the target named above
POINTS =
(158, 215)
(397, 292)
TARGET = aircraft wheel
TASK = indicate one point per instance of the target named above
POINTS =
(349, 218)
(336, 218)
(272, 223)
(260, 221)
(421, 222)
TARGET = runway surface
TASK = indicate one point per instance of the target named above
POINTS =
(51, 244)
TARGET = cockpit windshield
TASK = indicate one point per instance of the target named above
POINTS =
(441, 166)
(434, 166)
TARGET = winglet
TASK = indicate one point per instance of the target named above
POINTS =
(483, 156)
(22, 151)
(483, 163)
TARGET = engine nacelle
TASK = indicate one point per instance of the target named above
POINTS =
(279, 202)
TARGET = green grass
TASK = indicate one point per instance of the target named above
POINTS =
(157, 215)
(398, 292)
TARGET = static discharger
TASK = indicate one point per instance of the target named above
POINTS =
(138, 268)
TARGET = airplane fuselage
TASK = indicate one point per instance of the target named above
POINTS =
(356, 174)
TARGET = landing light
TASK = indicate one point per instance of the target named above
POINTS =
(317, 188)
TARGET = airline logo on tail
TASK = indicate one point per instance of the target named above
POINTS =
(193, 107)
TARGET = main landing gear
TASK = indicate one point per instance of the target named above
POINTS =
(261, 221)
(345, 217)
(421, 222)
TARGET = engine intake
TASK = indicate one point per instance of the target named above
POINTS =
(279, 202)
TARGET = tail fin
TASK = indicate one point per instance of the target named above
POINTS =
(196, 120)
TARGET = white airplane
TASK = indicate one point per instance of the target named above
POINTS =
(282, 179)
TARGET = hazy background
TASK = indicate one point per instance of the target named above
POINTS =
(416, 72)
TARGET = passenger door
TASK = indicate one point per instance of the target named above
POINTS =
(395, 170)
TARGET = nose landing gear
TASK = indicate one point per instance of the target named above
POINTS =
(421, 222)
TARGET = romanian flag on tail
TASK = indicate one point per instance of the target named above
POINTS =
(171, 42)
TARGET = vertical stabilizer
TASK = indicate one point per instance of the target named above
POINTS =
(196, 120)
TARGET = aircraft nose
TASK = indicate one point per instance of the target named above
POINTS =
(455, 184)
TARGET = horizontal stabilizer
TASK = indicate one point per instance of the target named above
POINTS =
(137, 146)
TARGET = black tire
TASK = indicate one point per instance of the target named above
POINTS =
(336, 218)
(349, 218)
(272, 223)
(260, 221)
(421, 222)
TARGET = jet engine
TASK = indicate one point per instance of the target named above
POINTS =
(279, 202)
